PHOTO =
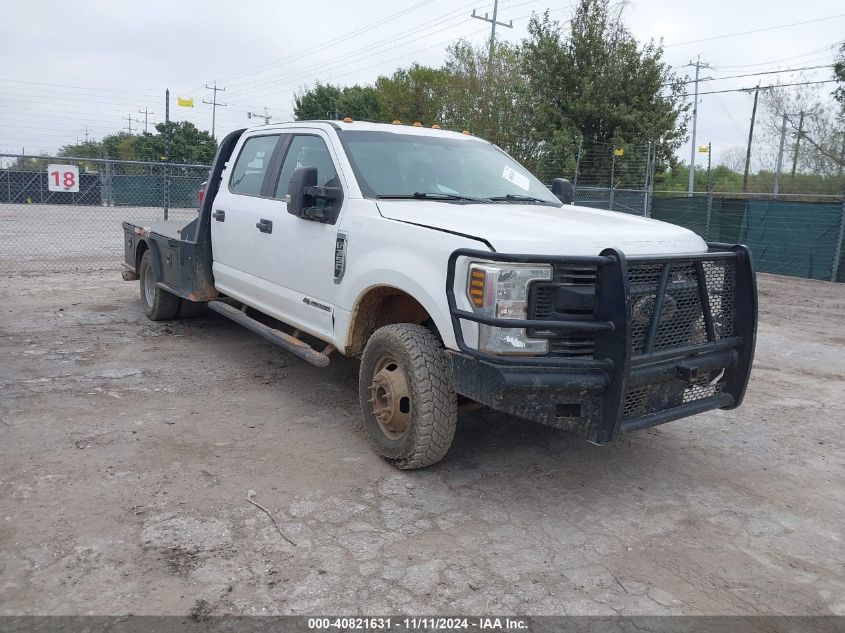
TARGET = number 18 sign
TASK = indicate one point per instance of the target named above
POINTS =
(63, 178)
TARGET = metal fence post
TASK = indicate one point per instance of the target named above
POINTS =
(837, 254)
(612, 176)
(577, 162)
(647, 183)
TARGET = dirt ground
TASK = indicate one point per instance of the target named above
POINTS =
(129, 449)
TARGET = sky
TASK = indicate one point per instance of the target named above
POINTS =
(71, 69)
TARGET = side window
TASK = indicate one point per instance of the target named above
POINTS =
(252, 163)
(307, 151)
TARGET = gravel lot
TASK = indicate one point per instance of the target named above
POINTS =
(129, 449)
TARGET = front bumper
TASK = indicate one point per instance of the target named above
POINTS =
(638, 375)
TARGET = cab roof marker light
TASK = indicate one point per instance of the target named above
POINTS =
(396, 122)
(347, 119)
(435, 127)
(466, 132)
(417, 124)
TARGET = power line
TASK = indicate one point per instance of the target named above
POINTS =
(813, 52)
(767, 72)
(802, 83)
(770, 28)
(334, 42)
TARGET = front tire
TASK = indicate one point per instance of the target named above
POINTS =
(159, 305)
(409, 407)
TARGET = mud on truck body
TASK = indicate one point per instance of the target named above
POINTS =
(458, 279)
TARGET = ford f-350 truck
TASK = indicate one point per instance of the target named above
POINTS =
(457, 278)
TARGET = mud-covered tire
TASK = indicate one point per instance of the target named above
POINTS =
(431, 413)
(191, 309)
(159, 305)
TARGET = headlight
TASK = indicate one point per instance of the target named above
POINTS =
(501, 291)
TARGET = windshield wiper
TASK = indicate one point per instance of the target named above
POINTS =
(422, 195)
(518, 198)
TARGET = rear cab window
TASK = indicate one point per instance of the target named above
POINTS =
(252, 164)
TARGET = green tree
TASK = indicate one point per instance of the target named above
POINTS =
(413, 94)
(325, 101)
(490, 97)
(188, 144)
(595, 80)
(320, 102)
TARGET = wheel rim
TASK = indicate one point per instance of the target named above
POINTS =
(149, 286)
(390, 398)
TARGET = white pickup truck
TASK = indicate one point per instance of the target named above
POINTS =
(458, 279)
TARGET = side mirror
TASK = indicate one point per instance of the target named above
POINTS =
(308, 201)
(564, 190)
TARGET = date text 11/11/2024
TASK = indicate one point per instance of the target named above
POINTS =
(418, 623)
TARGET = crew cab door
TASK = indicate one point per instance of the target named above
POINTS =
(238, 210)
(298, 257)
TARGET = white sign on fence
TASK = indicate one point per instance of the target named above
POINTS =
(63, 178)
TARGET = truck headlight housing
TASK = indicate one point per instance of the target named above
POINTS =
(501, 291)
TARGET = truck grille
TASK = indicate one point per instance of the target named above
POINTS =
(681, 321)
(571, 295)
(580, 282)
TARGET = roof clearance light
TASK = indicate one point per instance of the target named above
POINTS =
(435, 127)
(465, 132)
(417, 124)
(397, 122)
(347, 119)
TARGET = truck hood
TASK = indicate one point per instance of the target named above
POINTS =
(543, 230)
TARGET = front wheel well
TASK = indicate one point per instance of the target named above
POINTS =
(380, 306)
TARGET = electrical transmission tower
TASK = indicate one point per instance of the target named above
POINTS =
(214, 103)
(493, 22)
(698, 66)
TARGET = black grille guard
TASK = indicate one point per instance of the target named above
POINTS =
(625, 370)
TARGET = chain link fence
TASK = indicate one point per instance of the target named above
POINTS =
(45, 229)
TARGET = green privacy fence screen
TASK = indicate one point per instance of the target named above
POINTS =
(147, 190)
(786, 238)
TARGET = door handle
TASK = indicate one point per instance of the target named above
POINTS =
(265, 226)
(219, 215)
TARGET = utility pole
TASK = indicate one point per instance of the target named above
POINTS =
(129, 118)
(698, 66)
(750, 138)
(146, 114)
(797, 141)
(493, 22)
(86, 129)
(166, 153)
(213, 103)
(779, 167)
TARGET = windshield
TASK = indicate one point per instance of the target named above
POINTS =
(390, 165)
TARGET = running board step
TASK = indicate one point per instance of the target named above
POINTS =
(285, 341)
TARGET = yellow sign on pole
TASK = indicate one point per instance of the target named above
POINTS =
(619, 151)
(703, 149)
(185, 103)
